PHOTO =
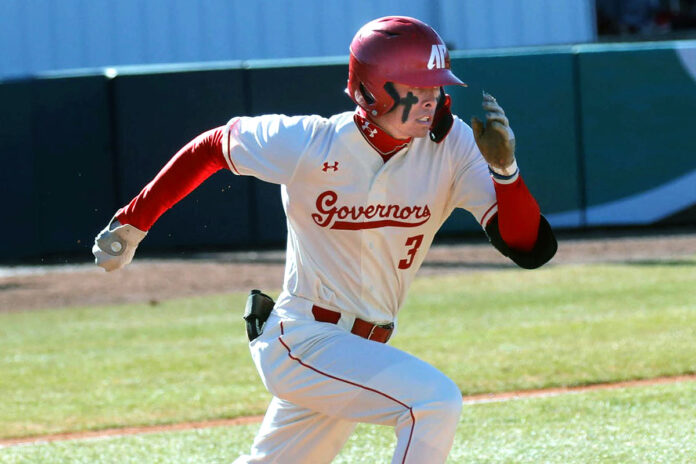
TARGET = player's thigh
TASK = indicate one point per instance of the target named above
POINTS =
(323, 368)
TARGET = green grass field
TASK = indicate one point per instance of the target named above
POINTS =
(92, 368)
(636, 425)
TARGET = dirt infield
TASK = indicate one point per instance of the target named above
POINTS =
(153, 280)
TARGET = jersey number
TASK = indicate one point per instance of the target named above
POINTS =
(415, 243)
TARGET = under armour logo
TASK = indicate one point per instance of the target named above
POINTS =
(437, 57)
(327, 166)
(366, 129)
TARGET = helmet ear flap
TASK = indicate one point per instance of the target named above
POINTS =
(391, 90)
(443, 119)
(369, 98)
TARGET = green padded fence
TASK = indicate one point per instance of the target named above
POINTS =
(638, 106)
(604, 136)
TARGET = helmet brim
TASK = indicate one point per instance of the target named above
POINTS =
(431, 78)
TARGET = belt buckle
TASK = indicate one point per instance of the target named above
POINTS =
(389, 326)
(372, 331)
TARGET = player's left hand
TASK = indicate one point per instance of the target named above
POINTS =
(495, 139)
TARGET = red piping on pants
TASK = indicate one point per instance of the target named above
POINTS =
(410, 409)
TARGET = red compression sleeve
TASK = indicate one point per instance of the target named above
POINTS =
(193, 164)
(518, 215)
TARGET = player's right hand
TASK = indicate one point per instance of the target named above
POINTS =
(115, 246)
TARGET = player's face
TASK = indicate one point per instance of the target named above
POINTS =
(414, 113)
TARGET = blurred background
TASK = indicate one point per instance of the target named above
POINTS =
(96, 95)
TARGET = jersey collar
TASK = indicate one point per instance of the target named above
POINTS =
(386, 145)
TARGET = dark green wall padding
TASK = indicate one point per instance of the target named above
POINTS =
(594, 124)
(638, 124)
(20, 235)
(156, 115)
(56, 164)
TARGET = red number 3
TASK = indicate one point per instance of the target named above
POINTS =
(414, 242)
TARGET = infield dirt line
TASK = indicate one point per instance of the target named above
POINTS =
(470, 399)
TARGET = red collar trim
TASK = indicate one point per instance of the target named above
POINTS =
(386, 145)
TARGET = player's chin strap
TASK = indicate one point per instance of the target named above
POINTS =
(544, 248)
(443, 119)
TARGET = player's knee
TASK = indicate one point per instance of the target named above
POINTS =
(452, 400)
(444, 402)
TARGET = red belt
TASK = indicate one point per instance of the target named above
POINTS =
(364, 329)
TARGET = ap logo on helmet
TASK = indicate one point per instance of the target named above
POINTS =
(437, 57)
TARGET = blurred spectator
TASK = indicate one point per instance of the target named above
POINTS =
(626, 16)
(686, 16)
(645, 17)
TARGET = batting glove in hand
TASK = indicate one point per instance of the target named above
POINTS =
(496, 139)
(115, 246)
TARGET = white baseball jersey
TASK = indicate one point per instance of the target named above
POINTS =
(358, 228)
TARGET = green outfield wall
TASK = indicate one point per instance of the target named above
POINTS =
(155, 115)
(638, 105)
(56, 164)
(19, 235)
(604, 137)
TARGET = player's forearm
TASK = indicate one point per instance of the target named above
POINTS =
(191, 166)
(518, 212)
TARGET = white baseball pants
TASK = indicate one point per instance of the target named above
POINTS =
(325, 379)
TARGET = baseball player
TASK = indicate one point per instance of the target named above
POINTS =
(364, 193)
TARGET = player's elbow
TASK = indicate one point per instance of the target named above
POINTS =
(541, 252)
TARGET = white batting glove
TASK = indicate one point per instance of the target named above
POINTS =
(115, 246)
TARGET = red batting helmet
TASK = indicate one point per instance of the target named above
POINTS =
(395, 49)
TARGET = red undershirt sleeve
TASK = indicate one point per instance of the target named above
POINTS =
(193, 164)
(518, 215)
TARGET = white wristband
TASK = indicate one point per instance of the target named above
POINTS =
(506, 175)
